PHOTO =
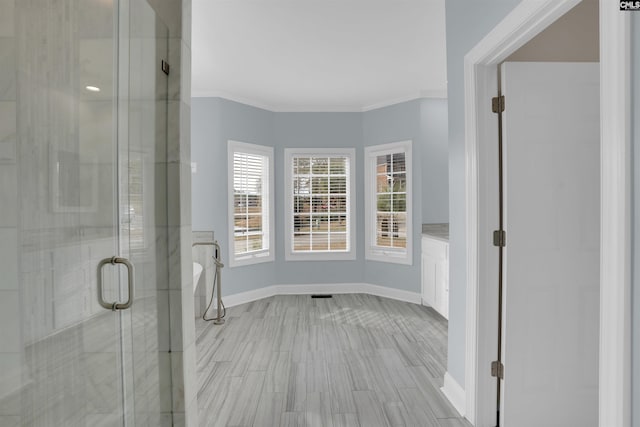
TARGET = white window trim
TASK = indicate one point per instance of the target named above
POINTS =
(289, 153)
(373, 252)
(267, 255)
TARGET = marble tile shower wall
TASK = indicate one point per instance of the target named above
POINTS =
(47, 260)
(11, 339)
(177, 15)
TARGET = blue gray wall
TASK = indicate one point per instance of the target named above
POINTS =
(313, 130)
(468, 21)
(398, 123)
(216, 120)
(435, 173)
(635, 312)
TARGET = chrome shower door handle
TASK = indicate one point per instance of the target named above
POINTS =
(115, 305)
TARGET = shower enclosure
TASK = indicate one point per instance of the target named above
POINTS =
(83, 161)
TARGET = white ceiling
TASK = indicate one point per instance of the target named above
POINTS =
(319, 55)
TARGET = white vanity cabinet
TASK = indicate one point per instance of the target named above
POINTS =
(435, 274)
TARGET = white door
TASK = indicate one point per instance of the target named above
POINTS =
(552, 215)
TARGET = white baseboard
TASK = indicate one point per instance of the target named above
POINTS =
(326, 288)
(455, 393)
(245, 297)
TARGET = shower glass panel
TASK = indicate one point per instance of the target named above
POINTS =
(83, 152)
(142, 146)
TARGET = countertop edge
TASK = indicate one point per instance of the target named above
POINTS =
(431, 236)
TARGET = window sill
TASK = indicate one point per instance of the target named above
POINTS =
(250, 260)
(393, 257)
(329, 256)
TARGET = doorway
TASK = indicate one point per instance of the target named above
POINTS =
(526, 21)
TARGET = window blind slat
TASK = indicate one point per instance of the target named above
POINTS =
(250, 192)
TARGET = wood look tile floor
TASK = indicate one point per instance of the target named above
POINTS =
(350, 360)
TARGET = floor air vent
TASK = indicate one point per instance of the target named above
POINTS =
(322, 296)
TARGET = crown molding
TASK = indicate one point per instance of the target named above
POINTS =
(288, 108)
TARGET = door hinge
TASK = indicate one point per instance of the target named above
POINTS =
(165, 67)
(497, 369)
(500, 238)
(497, 104)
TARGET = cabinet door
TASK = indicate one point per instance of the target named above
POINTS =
(442, 293)
(445, 286)
(435, 275)
(429, 280)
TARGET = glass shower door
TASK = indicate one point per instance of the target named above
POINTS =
(142, 145)
(83, 110)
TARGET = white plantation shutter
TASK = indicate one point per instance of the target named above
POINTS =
(249, 172)
(319, 204)
(251, 200)
(388, 201)
(391, 201)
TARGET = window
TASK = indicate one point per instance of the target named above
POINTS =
(388, 202)
(319, 206)
(250, 203)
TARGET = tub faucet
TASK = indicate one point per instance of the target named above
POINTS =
(217, 279)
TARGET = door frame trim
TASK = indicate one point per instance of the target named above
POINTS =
(615, 222)
(528, 19)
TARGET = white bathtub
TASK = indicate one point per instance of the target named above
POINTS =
(197, 271)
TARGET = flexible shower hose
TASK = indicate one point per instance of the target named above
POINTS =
(213, 293)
